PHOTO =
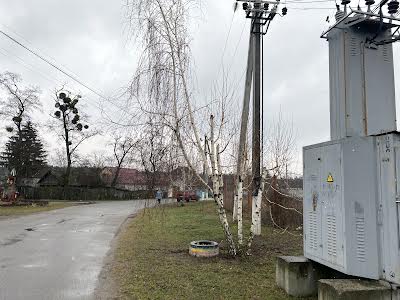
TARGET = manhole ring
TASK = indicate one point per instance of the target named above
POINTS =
(204, 248)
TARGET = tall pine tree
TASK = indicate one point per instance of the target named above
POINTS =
(24, 152)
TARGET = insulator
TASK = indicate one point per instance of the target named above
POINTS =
(266, 6)
(339, 15)
(369, 2)
(345, 2)
(284, 11)
(245, 5)
(393, 7)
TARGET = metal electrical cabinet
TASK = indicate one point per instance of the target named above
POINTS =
(361, 79)
(340, 195)
(352, 205)
(352, 183)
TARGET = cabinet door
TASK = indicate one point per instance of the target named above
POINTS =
(389, 163)
(312, 203)
(331, 204)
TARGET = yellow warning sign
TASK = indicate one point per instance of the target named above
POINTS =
(330, 178)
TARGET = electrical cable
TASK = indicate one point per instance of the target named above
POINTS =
(225, 46)
(236, 48)
(31, 68)
(36, 70)
(38, 50)
(27, 65)
(244, 71)
(74, 78)
(53, 65)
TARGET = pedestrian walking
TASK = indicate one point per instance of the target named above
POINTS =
(159, 196)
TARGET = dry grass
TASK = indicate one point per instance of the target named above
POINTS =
(26, 210)
(151, 259)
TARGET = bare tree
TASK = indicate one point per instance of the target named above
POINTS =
(162, 86)
(95, 159)
(122, 148)
(21, 100)
(153, 151)
(70, 127)
(280, 146)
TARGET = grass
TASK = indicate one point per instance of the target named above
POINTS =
(151, 259)
(26, 210)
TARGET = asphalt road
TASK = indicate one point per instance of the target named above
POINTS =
(59, 254)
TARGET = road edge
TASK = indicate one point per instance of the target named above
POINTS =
(106, 287)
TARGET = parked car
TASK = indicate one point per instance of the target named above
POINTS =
(187, 196)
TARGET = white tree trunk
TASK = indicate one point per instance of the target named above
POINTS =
(240, 212)
(256, 214)
(235, 205)
(218, 191)
(256, 209)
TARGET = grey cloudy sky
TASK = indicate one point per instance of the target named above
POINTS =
(89, 38)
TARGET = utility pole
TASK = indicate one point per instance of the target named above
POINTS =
(244, 123)
(256, 142)
(261, 14)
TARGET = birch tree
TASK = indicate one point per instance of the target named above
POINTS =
(162, 86)
(164, 71)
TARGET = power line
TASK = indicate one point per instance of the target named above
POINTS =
(32, 68)
(53, 65)
(236, 48)
(39, 50)
(227, 37)
(225, 46)
(74, 78)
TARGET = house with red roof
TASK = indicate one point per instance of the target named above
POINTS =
(128, 179)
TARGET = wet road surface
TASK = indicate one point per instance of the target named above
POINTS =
(59, 254)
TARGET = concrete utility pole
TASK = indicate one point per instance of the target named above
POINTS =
(244, 122)
(256, 143)
(261, 14)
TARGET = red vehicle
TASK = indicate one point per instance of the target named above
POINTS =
(187, 196)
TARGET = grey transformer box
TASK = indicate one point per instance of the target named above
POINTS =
(361, 76)
(351, 205)
(351, 184)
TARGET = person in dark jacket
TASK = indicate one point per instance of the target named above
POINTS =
(159, 196)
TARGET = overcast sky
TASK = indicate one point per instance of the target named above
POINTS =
(89, 38)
